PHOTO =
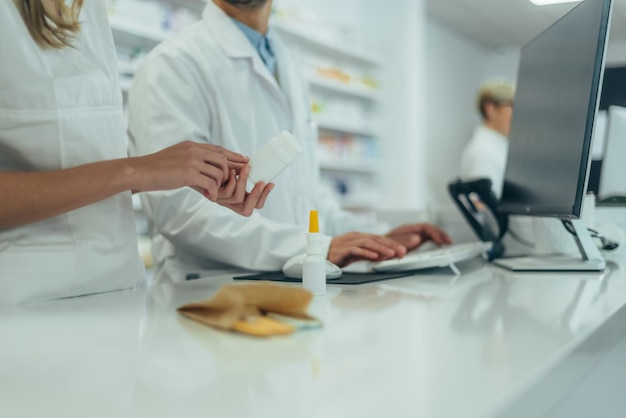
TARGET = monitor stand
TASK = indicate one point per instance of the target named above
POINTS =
(591, 259)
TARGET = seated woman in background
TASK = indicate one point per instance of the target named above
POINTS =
(486, 152)
(66, 218)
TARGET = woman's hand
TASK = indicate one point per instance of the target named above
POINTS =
(233, 193)
(412, 236)
(357, 246)
(204, 167)
(218, 174)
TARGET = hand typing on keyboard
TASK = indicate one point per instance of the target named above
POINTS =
(357, 246)
(412, 236)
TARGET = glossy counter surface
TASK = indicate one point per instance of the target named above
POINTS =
(487, 343)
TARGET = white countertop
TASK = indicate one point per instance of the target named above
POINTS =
(485, 344)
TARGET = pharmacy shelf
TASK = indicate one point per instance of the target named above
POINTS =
(359, 167)
(317, 40)
(361, 92)
(195, 5)
(342, 127)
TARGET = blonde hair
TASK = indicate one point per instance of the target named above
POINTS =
(53, 26)
(498, 92)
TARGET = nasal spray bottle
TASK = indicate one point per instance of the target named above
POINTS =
(314, 265)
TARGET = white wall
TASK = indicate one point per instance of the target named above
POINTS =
(454, 69)
(401, 30)
(616, 54)
(502, 63)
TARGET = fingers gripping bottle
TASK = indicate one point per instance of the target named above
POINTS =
(314, 265)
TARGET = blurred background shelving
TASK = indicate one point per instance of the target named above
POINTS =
(342, 73)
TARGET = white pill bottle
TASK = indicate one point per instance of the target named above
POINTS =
(273, 158)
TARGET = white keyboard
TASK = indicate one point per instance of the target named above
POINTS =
(437, 257)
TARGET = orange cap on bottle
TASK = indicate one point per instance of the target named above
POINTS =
(314, 225)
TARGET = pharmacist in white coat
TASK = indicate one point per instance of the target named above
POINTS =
(66, 218)
(486, 153)
(228, 80)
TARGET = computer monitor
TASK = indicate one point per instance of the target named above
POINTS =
(613, 172)
(558, 85)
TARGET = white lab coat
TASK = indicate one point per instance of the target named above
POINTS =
(485, 156)
(59, 109)
(208, 84)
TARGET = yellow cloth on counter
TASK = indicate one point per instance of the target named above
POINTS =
(247, 308)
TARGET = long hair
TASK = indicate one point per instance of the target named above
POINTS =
(53, 26)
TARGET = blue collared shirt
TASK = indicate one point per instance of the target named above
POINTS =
(261, 44)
